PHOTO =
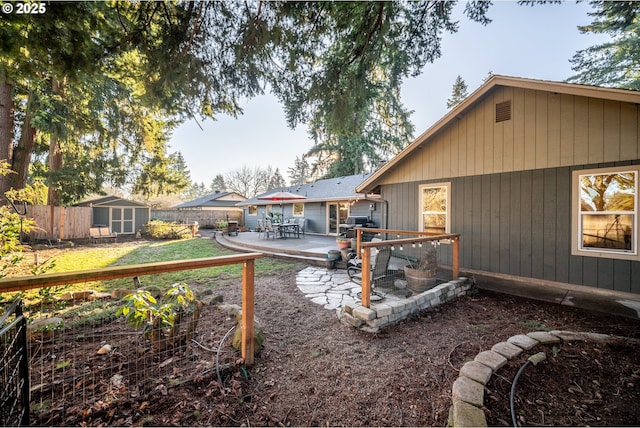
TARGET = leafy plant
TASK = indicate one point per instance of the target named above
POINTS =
(535, 325)
(158, 229)
(162, 321)
(11, 226)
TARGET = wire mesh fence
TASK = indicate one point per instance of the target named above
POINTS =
(87, 366)
(403, 263)
(14, 394)
(101, 358)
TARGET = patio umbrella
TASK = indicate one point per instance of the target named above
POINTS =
(281, 196)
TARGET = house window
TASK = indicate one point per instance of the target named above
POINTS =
(435, 205)
(298, 209)
(252, 210)
(605, 213)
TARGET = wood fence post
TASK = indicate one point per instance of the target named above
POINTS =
(248, 300)
(455, 267)
(366, 277)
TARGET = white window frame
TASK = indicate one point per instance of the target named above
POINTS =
(293, 209)
(577, 249)
(252, 210)
(421, 190)
(121, 221)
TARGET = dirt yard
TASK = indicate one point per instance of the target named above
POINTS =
(314, 371)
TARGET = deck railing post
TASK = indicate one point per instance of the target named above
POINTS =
(366, 277)
(455, 266)
(248, 311)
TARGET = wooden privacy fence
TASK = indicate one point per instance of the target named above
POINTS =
(248, 274)
(55, 222)
(205, 218)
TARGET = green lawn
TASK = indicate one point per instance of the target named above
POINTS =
(131, 253)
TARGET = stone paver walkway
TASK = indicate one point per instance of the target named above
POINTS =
(330, 288)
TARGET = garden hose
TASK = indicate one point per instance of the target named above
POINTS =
(218, 359)
(535, 359)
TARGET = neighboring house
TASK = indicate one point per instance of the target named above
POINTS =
(121, 215)
(326, 206)
(220, 201)
(207, 210)
(540, 178)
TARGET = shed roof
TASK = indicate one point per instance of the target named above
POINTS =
(613, 94)
(111, 200)
(330, 189)
(217, 199)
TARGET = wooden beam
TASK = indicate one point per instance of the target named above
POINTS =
(248, 300)
(455, 266)
(366, 277)
(48, 280)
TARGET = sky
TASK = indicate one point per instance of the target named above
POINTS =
(521, 41)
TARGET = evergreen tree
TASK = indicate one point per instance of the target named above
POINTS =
(113, 78)
(194, 190)
(299, 172)
(218, 184)
(615, 63)
(276, 180)
(458, 94)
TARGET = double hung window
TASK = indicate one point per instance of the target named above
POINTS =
(435, 202)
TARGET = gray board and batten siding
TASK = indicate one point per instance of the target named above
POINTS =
(508, 152)
(508, 227)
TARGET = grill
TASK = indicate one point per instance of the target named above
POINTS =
(353, 221)
(358, 220)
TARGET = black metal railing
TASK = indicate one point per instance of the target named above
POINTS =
(14, 367)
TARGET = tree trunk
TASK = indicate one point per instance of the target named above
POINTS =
(24, 150)
(6, 128)
(55, 154)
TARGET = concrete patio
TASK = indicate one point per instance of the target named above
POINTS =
(313, 249)
(310, 248)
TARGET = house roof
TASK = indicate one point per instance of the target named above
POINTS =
(111, 200)
(217, 199)
(331, 189)
(622, 95)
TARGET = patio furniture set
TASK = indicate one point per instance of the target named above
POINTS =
(291, 228)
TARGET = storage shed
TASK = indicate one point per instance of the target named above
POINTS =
(121, 215)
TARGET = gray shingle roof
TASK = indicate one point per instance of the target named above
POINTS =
(342, 188)
(210, 200)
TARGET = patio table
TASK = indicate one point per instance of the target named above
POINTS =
(286, 228)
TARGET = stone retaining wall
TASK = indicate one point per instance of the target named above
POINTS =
(383, 314)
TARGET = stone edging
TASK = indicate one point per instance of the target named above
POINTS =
(468, 390)
(384, 314)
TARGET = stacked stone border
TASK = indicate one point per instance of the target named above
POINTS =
(383, 314)
(468, 390)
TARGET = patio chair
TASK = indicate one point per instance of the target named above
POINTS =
(379, 271)
(269, 230)
(261, 228)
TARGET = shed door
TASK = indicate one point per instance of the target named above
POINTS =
(122, 220)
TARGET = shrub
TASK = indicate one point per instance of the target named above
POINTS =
(159, 229)
(162, 321)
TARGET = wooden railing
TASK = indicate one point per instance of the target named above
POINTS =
(363, 249)
(248, 274)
